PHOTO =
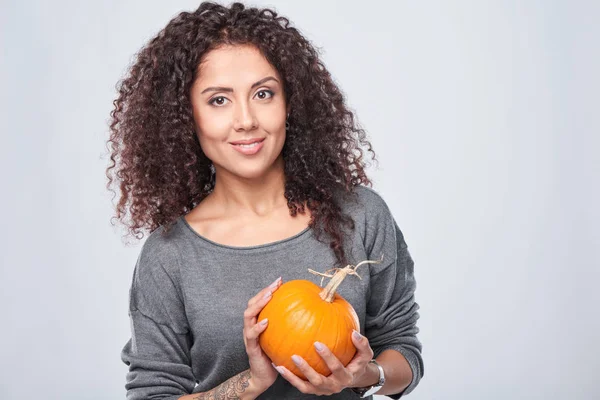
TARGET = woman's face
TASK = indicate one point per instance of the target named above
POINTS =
(238, 96)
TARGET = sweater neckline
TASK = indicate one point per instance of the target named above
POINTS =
(306, 232)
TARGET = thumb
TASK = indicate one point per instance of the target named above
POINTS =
(362, 346)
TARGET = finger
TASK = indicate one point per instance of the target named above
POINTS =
(260, 295)
(251, 338)
(362, 345)
(253, 310)
(338, 371)
(254, 332)
(252, 329)
(364, 353)
(257, 303)
(300, 384)
(315, 378)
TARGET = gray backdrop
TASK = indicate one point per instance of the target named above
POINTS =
(484, 115)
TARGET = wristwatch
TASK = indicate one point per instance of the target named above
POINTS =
(370, 390)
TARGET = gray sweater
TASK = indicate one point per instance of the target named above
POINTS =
(188, 295)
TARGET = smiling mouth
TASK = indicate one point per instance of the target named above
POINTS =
(248, 146)
(249, 149)
(248, 143)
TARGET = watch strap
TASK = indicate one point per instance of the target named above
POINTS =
(370, 390)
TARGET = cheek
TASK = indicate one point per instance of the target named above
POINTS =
(273, 121)
(211, 125)
(212, 131)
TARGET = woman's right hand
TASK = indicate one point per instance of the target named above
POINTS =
(261, 369)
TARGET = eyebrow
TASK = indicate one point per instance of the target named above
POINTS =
(226, 89)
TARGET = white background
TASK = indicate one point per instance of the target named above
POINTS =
(485, 119)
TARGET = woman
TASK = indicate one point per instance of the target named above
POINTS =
(235, 149)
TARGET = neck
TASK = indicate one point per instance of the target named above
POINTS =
(257, 196)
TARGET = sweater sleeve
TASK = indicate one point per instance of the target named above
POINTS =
(392, 311)
(158, 352)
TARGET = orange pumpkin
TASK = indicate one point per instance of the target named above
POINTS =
(300, 313)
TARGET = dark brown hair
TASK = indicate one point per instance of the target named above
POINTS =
(162, 170)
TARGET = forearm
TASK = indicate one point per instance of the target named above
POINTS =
(398, 374)
(239, 387)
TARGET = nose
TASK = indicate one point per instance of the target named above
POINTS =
(245, 118)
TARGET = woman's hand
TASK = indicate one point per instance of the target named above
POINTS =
(355, 374)
(261, 368)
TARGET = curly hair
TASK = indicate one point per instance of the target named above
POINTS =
(162, 170)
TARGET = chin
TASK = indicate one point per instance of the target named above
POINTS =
(251, 174)
(247, 171)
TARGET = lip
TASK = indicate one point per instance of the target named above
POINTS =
(248, 141)
(249, 150)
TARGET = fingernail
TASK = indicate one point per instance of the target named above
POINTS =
(357, 335)
(297, 360)
(274, 284)
(267, 295)
(264, 321)
(319, 346)
(279, 369)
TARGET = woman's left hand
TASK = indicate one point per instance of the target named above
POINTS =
(341, 377)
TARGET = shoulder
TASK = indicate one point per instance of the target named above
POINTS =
(371, 199)
(156, 290)
(365, 204)
(371, 214)
(160, 252)
(161, 240)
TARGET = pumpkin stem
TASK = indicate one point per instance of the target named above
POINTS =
(328, 293)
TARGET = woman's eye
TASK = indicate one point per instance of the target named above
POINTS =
(221, 101)
(264, 94)
(217, 101)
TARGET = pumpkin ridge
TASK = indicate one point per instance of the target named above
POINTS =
(298, 316)
(304, 350)
(337, 328)
(350, 321)
(286, 295)
(280, 340)
(323, 318)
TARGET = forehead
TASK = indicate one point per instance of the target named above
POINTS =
(234, 64)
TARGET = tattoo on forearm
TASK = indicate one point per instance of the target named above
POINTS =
(228, 390)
